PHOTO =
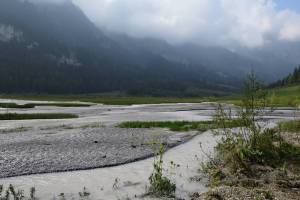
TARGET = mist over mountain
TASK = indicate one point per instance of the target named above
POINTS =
(269, 62)
(55, 48)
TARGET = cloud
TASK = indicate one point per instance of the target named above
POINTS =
(290, 29)
(250, 23)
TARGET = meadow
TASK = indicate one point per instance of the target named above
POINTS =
(277, 97)
(280, 97)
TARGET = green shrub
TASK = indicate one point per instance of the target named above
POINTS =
(251, 144)
(269, 149)
(290, 126)
(159, 184)
(214, 171)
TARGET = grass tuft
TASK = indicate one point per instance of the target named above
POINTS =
(177, 125)
(290, 126)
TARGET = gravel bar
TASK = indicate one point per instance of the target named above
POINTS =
(47, 151)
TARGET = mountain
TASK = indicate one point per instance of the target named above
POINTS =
(56, 49)
(271, 62)
(277, 59)
(49, 48)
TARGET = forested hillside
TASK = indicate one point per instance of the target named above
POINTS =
(293, 78)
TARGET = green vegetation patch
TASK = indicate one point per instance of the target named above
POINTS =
(29, 116)
(60, 104)
(14, 105)
(282, 96)
(176, 125)
(160, 185)
(244, 152)
(264, 148)
(285, 96)
(111, 100)
(290, 126)
(32, 105)
(277, 97)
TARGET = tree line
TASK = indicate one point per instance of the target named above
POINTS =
(292, 78)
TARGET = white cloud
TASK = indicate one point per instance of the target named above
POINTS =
(290, 28)
(248, 23)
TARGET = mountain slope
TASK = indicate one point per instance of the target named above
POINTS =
(51, 48)
(55, 48)
(270, 62)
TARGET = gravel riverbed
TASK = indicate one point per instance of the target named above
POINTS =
(46, 151)
(92, 141)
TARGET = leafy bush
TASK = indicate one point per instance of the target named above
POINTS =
(159, 184)
(269, 149)
(251, 144)
(213, 169)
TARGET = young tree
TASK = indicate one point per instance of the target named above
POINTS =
(254, 104)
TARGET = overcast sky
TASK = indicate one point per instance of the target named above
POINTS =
(250, 23)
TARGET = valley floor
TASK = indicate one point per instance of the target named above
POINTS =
(92, 141)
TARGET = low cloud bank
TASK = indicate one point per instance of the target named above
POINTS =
(249, 23)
